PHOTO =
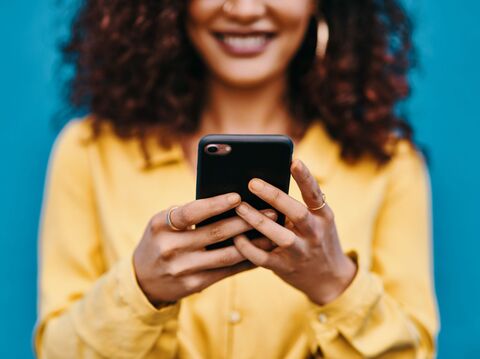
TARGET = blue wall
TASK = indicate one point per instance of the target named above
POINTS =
(27, 98)
(443, 109)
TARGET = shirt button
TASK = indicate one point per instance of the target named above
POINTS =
(234, 317)
(322, 318)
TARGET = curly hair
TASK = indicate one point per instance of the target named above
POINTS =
(134, 67)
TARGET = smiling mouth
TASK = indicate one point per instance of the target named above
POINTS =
(246, 44)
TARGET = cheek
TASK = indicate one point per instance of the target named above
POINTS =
(293, 30)
(293, 21)
(200, 11)
(200, 14)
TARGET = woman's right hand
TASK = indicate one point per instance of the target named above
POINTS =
(170, 265)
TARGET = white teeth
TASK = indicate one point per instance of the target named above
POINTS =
(245, 42)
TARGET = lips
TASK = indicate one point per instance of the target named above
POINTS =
(249, 43)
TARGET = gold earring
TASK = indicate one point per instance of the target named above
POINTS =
(322, 38)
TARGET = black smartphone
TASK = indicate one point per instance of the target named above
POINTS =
(226, 163)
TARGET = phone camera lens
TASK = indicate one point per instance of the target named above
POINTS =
(212, 149)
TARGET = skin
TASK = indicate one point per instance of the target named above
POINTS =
(245, 95)
(170, 265)
(287, 19)
(309, 256)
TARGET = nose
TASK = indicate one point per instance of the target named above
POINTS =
(244, 10)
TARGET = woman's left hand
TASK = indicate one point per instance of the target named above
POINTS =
(309, 256)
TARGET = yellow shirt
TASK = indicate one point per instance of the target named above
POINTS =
(99, 199)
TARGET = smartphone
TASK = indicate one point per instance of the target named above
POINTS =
(226, 163)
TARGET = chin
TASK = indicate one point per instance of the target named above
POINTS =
(243, 83)
(246, 76)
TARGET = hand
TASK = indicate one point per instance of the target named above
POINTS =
(309, 256)
(170, 265)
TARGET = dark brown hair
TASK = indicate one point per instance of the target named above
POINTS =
(135, 68)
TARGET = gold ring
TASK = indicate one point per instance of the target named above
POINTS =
(169, 219)
(324, 198)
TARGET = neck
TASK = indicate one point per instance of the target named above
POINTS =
(260, 109)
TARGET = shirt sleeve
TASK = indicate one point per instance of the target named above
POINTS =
(86, 311)
(389, 310)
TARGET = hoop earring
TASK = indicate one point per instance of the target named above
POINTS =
(322, 38)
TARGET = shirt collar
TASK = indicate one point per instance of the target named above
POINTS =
(159, 156)
(316, 149)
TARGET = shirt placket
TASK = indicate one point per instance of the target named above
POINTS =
(233, 319)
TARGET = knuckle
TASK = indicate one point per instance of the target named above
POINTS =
(216, 233)
(239, 226)
(302, 216)
(319, 231)
(192, 284)
(329, 216)
(317, 194)
(290, 241)
(182, 216)
(175, 270)
(157, 222)
(304, 175)
(226, 259)
(275, 194)
(240, 244)
(262, 261)
(288, 269)
(259, 221)
(167, 250)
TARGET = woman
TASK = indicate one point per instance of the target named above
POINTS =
(123, 275)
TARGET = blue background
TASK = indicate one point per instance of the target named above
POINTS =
(443, 110)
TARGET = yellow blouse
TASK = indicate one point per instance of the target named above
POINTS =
(99, 198)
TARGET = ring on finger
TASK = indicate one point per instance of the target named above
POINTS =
(169, 219)
(324, 199)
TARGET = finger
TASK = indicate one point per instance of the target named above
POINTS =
(278, 234)
(263, 243)
(221, 230)
(311, 193)
(200, 261)
(254, 254)
(218, 258)
(301, 217)
(201, 209)
(289, 224)
(215, 275)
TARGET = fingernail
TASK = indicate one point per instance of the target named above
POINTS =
(233, 198)
(256, 184)
(238, 238)
(242, 208)
(299, 165)
(271, 214)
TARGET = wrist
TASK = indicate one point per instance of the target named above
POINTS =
(333, 287)
(144, 284)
